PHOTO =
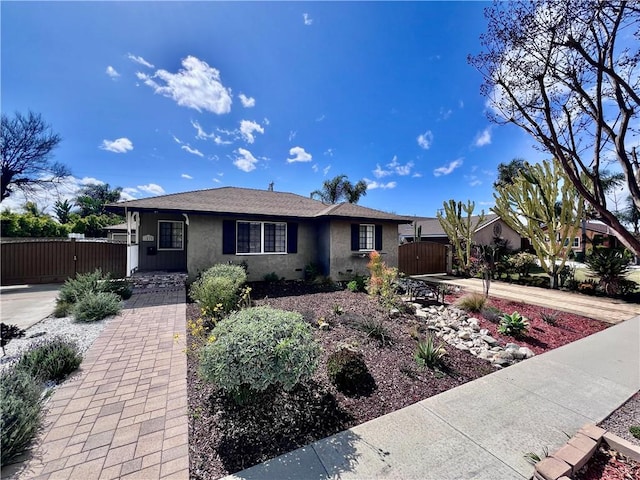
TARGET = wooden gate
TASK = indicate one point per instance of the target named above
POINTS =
(55, 260)
(418, 258)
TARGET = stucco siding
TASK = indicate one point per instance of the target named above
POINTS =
(485, 235)
(205, 250)
(344, 263)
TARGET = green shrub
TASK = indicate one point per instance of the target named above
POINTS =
(258, 348)
(610, 265)
(348, 371)
(76, 288)
(271, 277)
(429, 355)
(635, 431)
(492, 314)
(236, 273)
(121, 287)
(472, 302)
(96, 306)
(522, 263)
(215, 295)
(62, 309)
(358, 284)
(374, 328)
(52, 360)
(20, 412)
(311, 271)
(514, 325)
(588, 287)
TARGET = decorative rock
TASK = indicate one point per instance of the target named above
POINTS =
(462, 346)
(527, 352)
(421, 314)
(489, 340)
(464, 335)
(394, 313)
(484, 331)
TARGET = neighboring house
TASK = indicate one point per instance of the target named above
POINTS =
(597, 233)
(271, 231)
(119, 232)
(491, 227)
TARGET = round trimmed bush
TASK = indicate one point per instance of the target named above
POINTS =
(258, 348)
(348, 371)
(52, 360)
(214, 294)
(96, 306)
(20, 412)
(235, 273)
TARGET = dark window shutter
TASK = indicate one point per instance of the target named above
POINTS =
(228, 237)
(355, 237)
(292, 238)
(378, 238)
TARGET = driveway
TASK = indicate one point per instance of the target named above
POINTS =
(26, 305)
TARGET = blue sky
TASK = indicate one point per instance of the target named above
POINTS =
(160, 97)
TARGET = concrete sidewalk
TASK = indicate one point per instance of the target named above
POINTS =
(608, 310)
(482, 429)
(26, 305)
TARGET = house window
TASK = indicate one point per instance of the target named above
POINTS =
(170, 235)
(367, 237)
(576, 242)
(261, 237)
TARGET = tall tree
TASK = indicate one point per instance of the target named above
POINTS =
(631, 215)
(508, 171)
(26, 144)
(567, 72)
(460, 228)
(62, 210)
(92, 198)
(529, 206)
(340, 189)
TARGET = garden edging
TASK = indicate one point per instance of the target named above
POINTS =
(572, 456)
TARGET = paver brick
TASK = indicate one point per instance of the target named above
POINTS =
(573, 456)
(551, 468)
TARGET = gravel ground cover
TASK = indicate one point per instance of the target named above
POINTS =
(225, 438)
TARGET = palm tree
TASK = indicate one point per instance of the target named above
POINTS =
(340, 189)
(62, 210)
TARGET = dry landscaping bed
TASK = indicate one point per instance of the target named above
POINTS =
(225, 438)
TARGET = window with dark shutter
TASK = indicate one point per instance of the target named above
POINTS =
(228, 237)
(378, 239)
(292, 238)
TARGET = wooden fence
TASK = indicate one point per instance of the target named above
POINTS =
(419, 258)
(27, 261)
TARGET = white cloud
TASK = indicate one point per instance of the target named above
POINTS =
(186, 176)
(218, 140)
(193, 151)
(416, 175)
(372, 184)
(393, 167)
(307, 19)
(266, 121)
(299, 155)
(380, 173)
(321, 118)
(119, 145)
(129, 193)
(140, 60)
(329, 152)
(196, 86)
(177, 140)
(475, 183)
(425, 139)
(445, 114)
(326, 169)
(245, 161)
(315, 168)
(447, 169)
(247, 128)
(461, 104)
(152, 188)
(247, 102)
(292, 135)
(216, 180)
(483, 138)
(112, 72)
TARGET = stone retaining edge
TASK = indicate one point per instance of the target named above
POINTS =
(578, 450)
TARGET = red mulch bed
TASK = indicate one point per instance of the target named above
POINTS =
(608, 464)
(541, 336)
(225, 438)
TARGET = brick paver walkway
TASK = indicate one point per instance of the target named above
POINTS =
(126, 414)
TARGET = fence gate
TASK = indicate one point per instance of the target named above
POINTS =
(419, 258)
(55, 260)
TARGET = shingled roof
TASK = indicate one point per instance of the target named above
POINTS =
(245, 201)
(431, 226)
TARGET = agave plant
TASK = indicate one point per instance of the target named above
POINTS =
(611, 266)
(514, 325)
